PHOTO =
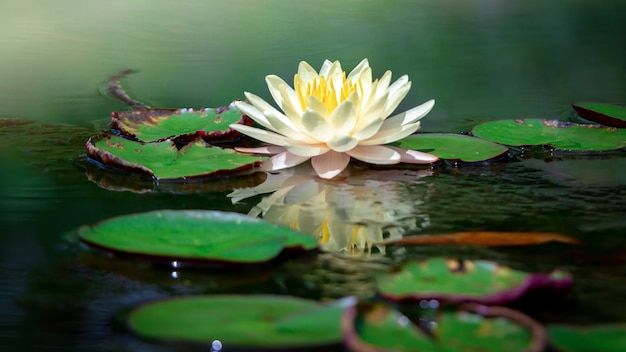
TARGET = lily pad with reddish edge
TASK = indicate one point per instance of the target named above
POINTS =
(454, 147)
(196, 236)
(182, 125)
(560, 135)
(241, 322)
(485, 238)
(608, 337)
(378, 327)
(606, 114)
(164, 161)
(458, 281)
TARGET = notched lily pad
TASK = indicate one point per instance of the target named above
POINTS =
(182, 125)
(195, 236)
(485, 238)
(164, 160)
(377, 327)
(610, 337)
(457, 281)
(454, 147)
(561, 135)
(606, 114)
(252, 322)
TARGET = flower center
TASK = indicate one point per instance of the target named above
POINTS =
(326, 90)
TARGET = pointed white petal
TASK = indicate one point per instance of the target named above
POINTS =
(316, 126)
(262, 135)
(314, 103)
(271, 113)
(375, 154)
(282, 161)
(253, 113)
(270, 149)
(330, 164)
(343, 143)
(358, 70)
(306, 72)
(365, 81)
(409, 116)
(284, 95)
(372, 112)
(325, 68)
(414, 156)
(383, 84)
(391, 135)
(343, 118)
(394, 98)
(368, 130)
(307, 150)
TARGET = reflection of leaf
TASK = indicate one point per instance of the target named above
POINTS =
(484, 238)
(610, 337)
(261, 321)
(150, 125)
(195, 236)
(164, 161)
(466, 281)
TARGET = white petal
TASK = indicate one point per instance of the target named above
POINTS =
(262, 135)
(343, 118)
(395, 97)
(414, 156)
(307, 150)
(314, 103)
(375, 154)
(369, 130)
(317, 126)
(391, 135)
(358, 69)
(330, 164)
(409, 116)
(383, 84)
(372, 112)
(253, 113)
(282, 161)
(274, 119)
(343, 143)
(326, 68)
(306, 72)
(270, 149)
(284, 95)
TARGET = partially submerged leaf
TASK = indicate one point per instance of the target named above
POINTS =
(606, 114)
(164, 161)
(560, 135)
(152, 125)
(235, 321)
(457, 281)
(454, 146)
(378, 327)
(609, 337)
(485, 238)
(195, 236)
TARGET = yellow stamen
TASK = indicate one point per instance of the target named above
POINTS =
(325, 90)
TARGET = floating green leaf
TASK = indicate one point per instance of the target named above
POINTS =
(453, 146)
(164, 161)
(606, 114)
(152, 125)
(381, 328)
(249, 321)
(195, 236)
(465, 281)
(558, 134)
(610, 337)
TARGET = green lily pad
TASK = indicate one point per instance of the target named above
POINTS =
(606, 114)
(381, 328)
(560, 135)
(610, 337)
(150, 125)
(454, 146)
(466, 281)
(195, 236)
(164, 161)
(253, 322)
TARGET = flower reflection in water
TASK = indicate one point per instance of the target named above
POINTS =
(348, 215)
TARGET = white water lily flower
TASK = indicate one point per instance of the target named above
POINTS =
(329, 117)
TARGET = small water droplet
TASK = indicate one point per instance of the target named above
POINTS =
(216, 346)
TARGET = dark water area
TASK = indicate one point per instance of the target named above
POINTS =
(481, 60)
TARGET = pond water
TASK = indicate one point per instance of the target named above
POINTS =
(481, 60)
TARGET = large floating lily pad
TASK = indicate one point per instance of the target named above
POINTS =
(195, 236)
(485, 238)
(454, 146)
(557, 134)
(593, 338)
(466, 281)
(152, 125)
(606, 114)
(381, 328)
(254, 322)
(164, 161)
